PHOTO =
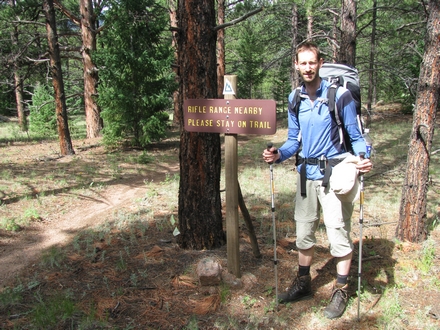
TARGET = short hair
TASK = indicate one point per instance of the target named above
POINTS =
(308, 45)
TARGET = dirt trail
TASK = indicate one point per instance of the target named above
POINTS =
(21, 249)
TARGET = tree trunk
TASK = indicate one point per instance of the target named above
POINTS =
(18, 88)
(334, 39)
(18, 84)
(200, 217)
(347, 52)
(88, 34)
(371, 71)
(309, 24)
(176, 96)
(412, 218)
(220, 49)
(294, 77)
(66, 147)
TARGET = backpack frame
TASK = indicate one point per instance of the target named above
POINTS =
(338, 75)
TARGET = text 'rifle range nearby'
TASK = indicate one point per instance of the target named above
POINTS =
(230, 116)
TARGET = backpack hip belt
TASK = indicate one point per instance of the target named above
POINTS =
(330, 163)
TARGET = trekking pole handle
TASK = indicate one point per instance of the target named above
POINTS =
(269, 146)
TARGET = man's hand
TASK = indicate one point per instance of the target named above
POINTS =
(271, 155)
(365, 165)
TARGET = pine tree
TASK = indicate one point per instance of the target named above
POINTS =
(135, 72)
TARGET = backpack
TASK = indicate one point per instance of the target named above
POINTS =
(338, 75)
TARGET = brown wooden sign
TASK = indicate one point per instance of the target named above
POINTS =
(230, 116)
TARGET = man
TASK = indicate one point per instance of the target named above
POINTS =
(316, 133)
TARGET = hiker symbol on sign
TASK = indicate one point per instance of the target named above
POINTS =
(227, 89)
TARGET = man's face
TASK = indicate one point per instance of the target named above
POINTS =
(308, 66)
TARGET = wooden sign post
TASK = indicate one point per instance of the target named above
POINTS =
(231, 182)
(232, 117)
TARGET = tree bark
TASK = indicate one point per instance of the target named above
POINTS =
(309, 24)
(412, 217)
(200, 217)
(334, 40)
(294, 76)
(89, 27)
(66, 147)
(220, 49)
(371, 71)
(18, 88)
(347, 53)
(176, 97)
(18, 83)
(88, 33)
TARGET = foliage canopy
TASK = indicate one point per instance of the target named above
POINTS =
(136, 80)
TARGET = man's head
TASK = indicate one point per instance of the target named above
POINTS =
(308, 62)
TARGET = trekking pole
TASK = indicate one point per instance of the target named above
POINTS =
(361, 220)
(272, 189)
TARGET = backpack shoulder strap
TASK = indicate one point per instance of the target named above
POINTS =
(334, 111)
(296, 101)
(331, 95)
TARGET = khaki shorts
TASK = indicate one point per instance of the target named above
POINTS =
(336, 214)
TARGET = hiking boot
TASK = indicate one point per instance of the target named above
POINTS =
(300, 289)
(338, 302)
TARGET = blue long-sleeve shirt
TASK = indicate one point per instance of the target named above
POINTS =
(315, 130)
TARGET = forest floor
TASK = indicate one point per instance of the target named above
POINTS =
(93, 239)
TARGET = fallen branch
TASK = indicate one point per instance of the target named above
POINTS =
(374, 303)
(378, 224)
(248, 221)
(372, 258)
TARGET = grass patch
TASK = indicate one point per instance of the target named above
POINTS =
(53, 312)
(11, 296)
(392, 311)
(427, 256)
(52, 257)
(10, 224)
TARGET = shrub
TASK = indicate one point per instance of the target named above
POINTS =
(42, 116)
